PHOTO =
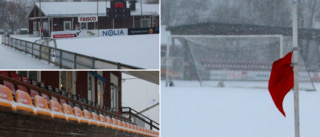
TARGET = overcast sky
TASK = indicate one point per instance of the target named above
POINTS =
(140, 94)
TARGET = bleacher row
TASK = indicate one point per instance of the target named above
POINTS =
(20, 100)
(214, 64)
(234, 61)
(249, 67)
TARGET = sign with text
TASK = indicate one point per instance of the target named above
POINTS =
(92, 18)
(66, 34)
(90, 33)
(138, 31)
(113, 32)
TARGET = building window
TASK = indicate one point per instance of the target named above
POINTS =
(91, 95)
(145, 23)
(114, 91)
(96, 25)
(100, 90)
(67, 25)
(114, 98)
(33, 75)
(67, 81)
(23, 73)
(63, 80)
(84, 25)
(30, 74)
(39, 26)
(35, 26)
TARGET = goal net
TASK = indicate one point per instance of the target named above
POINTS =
(231, 61)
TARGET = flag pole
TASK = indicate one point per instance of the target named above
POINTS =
(295, 68)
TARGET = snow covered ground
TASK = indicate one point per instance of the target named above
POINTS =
(13, 59)
(234, 112)
(138, 50)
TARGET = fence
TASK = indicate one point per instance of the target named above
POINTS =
(133, 113)
(62, 58)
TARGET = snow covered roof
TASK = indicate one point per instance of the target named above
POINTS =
(165, 34)
(51, 9)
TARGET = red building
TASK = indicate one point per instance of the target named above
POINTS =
(90, 17)
(100, 87)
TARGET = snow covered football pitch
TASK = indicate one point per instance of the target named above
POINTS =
(12, 59)
(234, 112)
(137, 50)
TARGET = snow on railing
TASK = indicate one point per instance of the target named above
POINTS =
(62, 58)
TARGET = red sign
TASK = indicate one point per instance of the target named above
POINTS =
(88, 19)
(118, 5)
(64, 36)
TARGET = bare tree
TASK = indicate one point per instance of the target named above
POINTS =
(2, 13)
(15, 12)
(11, 16)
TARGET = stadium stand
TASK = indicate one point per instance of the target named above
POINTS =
(38, 105)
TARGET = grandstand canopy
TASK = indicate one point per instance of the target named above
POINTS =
(151, 76)
(213, 28)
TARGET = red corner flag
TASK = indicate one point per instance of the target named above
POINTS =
(281, 80)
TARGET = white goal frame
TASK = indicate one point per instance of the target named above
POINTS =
(170, 42)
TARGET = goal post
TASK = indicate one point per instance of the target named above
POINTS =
(215, 58)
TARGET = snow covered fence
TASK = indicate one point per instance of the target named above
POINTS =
(62, 58)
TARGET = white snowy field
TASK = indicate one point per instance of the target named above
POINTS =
(234, 112)
(13, 59)
(136, 50)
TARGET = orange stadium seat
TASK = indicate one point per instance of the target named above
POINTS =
(45, 96)
(14, 76)
(6, 99)
(109, 122)
(54, 98)
(125, 125)
(87, 116)
(95, 119)
(135, 129)
(33, 93)
(138, 131)
(42, 106)
(56, 110)
(22, 88)
(78, 113)
(10, 86)
(119, 125)
(62, 101)
(24, 102)
(102, 120)
(114, 123)
(129, 127)
(145, 131)
(4, 73)
(68, 111)
(25, 79)
(142, 131)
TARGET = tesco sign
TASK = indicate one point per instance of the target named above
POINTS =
(88, 19)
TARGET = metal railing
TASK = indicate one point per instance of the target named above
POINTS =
(62, 58)
(133, 113)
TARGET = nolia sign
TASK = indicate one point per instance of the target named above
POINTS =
(88, 18)
(113, 32)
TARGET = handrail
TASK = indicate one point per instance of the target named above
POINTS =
(45, 54)
(50, 93)
(140, 116)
